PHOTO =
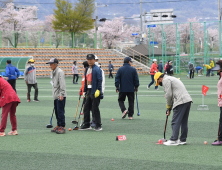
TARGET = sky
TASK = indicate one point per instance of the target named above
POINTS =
(184, 9)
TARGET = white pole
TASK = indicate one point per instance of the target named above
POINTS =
(141, 20)
(96, 23)
(202, 99)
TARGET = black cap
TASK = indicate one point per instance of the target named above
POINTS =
(127, 59)
(85, 64)
(90, 57)
(53, 60)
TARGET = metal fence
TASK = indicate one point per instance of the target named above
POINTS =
(194, 42)
(40, 39)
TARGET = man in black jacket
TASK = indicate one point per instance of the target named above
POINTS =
(127, 82)
(160, 67)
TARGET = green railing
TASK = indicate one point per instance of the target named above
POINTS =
(40, 39)
(195, 41)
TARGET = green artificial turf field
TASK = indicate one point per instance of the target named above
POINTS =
(37, 148)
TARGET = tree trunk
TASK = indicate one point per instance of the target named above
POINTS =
(73, 39)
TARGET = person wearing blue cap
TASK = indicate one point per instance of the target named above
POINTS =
(127, 82)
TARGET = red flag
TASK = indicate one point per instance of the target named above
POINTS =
(204, 90)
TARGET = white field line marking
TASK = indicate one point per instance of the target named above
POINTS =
(68, 96)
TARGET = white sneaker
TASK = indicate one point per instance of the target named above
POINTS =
(171, 143)
(148, 87)
(181, 143)
(156, 89)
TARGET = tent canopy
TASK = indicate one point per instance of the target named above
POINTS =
(19, 62)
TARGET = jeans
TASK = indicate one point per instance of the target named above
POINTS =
(59, 107)
(180, 120)
(212, 73)
(12, 82)
(208, 72)
(75, 76)
(92, 103)
(110, 74)
(152, 78)
(121, 100)
(29, 90)
(9, 108)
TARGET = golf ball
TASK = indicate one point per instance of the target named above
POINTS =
(205, 142)
(160, 141)
(70, 129)
(112, 119)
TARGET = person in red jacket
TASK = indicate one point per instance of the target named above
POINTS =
(8, 102)
(153, 70)
(85, 64)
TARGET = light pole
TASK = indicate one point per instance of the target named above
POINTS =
(96, 28)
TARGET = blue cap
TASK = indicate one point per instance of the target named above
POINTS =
(127, 59)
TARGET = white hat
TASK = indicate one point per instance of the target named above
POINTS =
(154, 60)
(96, 58)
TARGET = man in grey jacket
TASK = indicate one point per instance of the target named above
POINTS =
(30, 79)
(178, 99)
(59, 95)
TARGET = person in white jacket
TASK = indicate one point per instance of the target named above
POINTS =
(103, 75)
(103, 88)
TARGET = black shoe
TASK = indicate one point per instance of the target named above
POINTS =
(98, 128)
(36, 100)
(85, 127)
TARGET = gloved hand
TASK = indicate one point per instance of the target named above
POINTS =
(101, 96)
(84, 94)
(80, 92)
(97, 93)
(168, 109)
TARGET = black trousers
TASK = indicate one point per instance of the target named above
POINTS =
(13, 83)
(220, 128)
(110, 74)
(75, 76)
(92, 103)
(35, 86)
(122, 98)
(191, 74)
(59, 107)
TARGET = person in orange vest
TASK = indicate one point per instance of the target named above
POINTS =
(153, 71)
(85, 65)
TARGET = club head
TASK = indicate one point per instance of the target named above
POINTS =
(76, 128)
(74, 122)
(163, 140)
(138, 114)
(49, 126)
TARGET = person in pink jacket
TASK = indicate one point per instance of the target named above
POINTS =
(8, 102)
(219, 94)
(153, 71)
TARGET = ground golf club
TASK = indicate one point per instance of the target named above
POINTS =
(138, 114)
(82, 108)
(50, 125)
(74, 121)
(164, 134)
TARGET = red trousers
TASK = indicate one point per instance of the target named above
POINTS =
(9, 108)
